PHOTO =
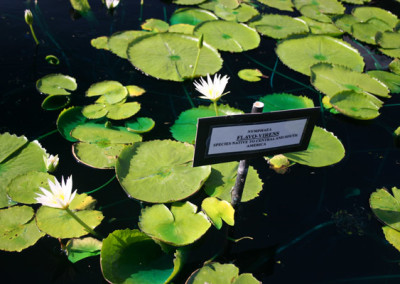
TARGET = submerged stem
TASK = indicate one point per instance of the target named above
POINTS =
(34, 35)
(83, 224)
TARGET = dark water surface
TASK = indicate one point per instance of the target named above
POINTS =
(317, 220)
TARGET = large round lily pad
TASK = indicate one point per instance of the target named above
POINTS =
(56, 84)
(279, 26)
(302, 53)
(172, 56)
(130, 256)
(18, 229)
(324, 150)
(228, 36)
(160, 171)
(387, 206)
(185, 127)
(180, 226)
(367, 13)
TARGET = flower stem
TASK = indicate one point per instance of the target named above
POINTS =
(216, 108)
(197, 61)
(83, 224)
(34, 35)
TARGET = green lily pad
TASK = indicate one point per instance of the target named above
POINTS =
(56, 84)
(388, 39)
(319, 28)
(324, 149)
(68, 119)
(344, 22)
(173, 56)
(181, 28)
(218, 211)
(223, 178)
(112, 91)
(392, 81)
(119, 42)
(54, 102)
(140, 125)
(94, 111)
(222, 274)
(24, 188)
(185, 127)
(59, 224)
(242, 13)
(302, 53)
(367, 31)
(9, 144)
(82, 6)
(160, 171)
(228, 36)
(100, 42)
(284, 101)
(331, 79)
(191, 16)
(386, 206)
(250, 75)
(394, 66)
(155, 25)
(356, 105)
(180, 226)
(130, 256)
(392, 236)
(284, 5)
(324, 6)
(18, 229)
(391, 52)
(311, 11)
(367, 13)
(18, 160)
(135, 91)
(279, 26)
(122, 111)
(78, 249)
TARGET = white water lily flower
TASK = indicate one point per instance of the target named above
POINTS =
(111, 4)
(60, 196)
(212, 91)
(51, 162)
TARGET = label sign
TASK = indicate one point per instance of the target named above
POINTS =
(237, 137)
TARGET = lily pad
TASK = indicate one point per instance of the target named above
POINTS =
(78, 249)
(218, 211)
(130, 256)
(319, 28)
(185, 127)
(391, 52)
(172, 56)
(159, 171)
(68, 119)
(279, 26)
(388, 39)
(367, 31)
(250, 75)
(394, 66)
(191, 16)
(367, 13)
(387, 206)
(331, 79)
(94, 111)
(18, 229)
(18, 160)
(56, 84)
(242, 13)
(119, 42)
(155, 25)
(223, 178)
(228, 36)
(284, 5)
(24, 188)
(181, 28)
(344, 22)
(392, 81)
(392, 236)
(122, 111)
(112, 91)
(302, 53)
(135, 91)
(59, 224)
(9, 144)
(100, 42)
(324, 6)
(180, 226)
(55, 102)
(140, 125)
(324, 149)
(284, 101)
(356, 105)
(311, 11)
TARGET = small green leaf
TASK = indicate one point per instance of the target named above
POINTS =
(284, 101)
(100, 42)
(78, 249)
(155, 25)
(392, 236)
(251, 75)
(112, 91)
(55, 102)
(140, 125)
(218, 210)
(386, 206)
(122, 111)
(94, 111)
(68, 119)
(191, 16)
(135, 91)
(56, 84)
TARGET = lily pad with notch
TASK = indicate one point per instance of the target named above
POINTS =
(218, 211)
(386, 206)
(250, 75)
(100, 42)
(56, 84)
(140, 125)
(111, 91)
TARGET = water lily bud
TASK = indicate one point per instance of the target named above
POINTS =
(51, 163)
(279, 163)
(28, 17)
(200, 43)
(111, 4)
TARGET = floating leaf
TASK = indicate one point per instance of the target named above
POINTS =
(54, 102)
(130, 256)
(218, 210)
(135, 91)
(173, 56)
(251, 75)
(279, 26)
(311, 11)
(324, 6)
(228, 36)
(387, 206)
(388, 39)
(185, 127)
(180, 226)
(284, 101)
(99, 156)
(119, 42)
(394, 52)
(160, 171)
(140, 125)
(324, 149)
(284, 5)
(78, 249)
(68, 119)
(100, 42)
(18, 229)
(392, 236)
(367, 31)
(82, 6)
(394, 66)
(301, 53)
(191, 16)
(56, 84)
(112, 91)
(367, 13)
(94, 111)
(392, 81)
(181, 28)
(331, 79)
(242, 13)
(59, 224)
(122, 111)
(344, 22)
(9, 144)
(155, 25)
(223, 178)
(319, 28)
(25, 187)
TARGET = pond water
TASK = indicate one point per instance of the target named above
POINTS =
(310, 225)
